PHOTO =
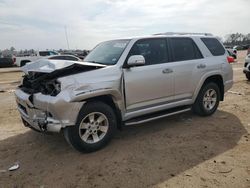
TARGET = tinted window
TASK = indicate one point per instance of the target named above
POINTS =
(214, 46)
(184, 49)
(153, 50)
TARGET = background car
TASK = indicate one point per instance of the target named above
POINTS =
(241, 47)
(6, 62)
(232, 52)
(80, 55)
(21, 61)
(246, 69)
(238, 47)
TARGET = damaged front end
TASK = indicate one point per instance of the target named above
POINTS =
(46, 82)
(41, 102)
(39, 82)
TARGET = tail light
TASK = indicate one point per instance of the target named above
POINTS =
(230, 59)
(14, 60)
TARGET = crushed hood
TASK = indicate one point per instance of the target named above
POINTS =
(48, 66)
(41, 76)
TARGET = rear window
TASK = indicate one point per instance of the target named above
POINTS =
(214, 46)
(184, 49)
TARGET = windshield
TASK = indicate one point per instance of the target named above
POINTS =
(107, 53)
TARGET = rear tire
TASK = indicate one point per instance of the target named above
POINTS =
(207, 100)
(95, 126)
(248, 75)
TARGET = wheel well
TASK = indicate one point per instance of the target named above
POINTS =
(108, 99)
(219, 81)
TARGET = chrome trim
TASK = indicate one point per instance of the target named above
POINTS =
(157, 117)
(165, 106)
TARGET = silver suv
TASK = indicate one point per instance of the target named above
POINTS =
(124, 82)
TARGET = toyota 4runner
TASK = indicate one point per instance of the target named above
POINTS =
(124, 82)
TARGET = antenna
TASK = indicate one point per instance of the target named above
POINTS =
(66, 35)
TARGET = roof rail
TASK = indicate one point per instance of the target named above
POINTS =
(183, 33)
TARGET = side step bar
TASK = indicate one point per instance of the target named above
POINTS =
(151, 117)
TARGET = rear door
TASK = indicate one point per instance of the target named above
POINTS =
(152, 83)
(189, 66)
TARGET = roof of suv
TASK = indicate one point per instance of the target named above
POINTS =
(172, 34)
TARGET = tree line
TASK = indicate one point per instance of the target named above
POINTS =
(235, 39)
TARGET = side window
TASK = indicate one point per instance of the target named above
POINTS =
(153, 50)
(214, 46)
(184, 49)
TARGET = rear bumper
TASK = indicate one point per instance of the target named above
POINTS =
(46, 113)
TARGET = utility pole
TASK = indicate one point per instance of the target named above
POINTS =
(66, 35)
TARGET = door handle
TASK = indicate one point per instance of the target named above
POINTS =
(201, 66)
(167, 71)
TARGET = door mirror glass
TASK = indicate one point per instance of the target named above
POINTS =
(136, 60)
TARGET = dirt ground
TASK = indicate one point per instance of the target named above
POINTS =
(179, 151)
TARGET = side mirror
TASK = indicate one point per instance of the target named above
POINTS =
(136, 60)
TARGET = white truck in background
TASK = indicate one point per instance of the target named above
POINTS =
(21, 61)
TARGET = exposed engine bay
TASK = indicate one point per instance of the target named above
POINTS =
(46, 82)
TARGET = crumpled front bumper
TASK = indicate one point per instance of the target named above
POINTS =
(47, 113)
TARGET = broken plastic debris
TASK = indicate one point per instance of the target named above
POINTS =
(14, 167)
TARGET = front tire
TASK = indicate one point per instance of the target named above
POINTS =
(207, 100)
(95, 126)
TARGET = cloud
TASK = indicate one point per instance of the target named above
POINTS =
(40, 24)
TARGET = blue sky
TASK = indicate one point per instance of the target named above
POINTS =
(40, 24)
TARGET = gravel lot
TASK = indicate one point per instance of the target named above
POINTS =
(179, 151)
